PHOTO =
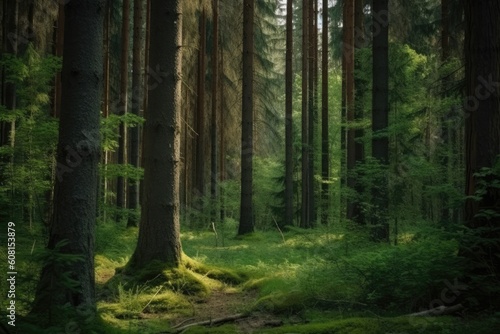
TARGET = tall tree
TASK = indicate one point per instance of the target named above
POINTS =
(121, 199)
(482, 142)
(380, 118)
(312, 97)
(325, 157)
(348, 59)
(137, 101)
(78, 154)
(214, 179)
(305, 214)
(246, 203)
(288, 116)
(200, 109)
(159, 235)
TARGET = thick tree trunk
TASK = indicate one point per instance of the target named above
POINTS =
(121, 199)
(59, 46)
(246, 204)
(325, 143)
(137, 102)
(482, 143)
(78, 155)
(159, 237)
(288, 116)
(380, 116)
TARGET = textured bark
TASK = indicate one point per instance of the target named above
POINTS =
(200, 109)
(137, 86)
(482, 137)
(305, 214)
(348, 59)
(325, 156)
(159, 237)
(121, 199)
(312, 108)
(59, 46)
(288, 116)
(214, 178)
(380, 116)
(246, 204)
(78, 154)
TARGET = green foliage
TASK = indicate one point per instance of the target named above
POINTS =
(26, 166)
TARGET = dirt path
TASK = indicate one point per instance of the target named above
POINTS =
(227, 302)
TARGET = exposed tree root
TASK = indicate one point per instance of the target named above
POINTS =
(177, 329)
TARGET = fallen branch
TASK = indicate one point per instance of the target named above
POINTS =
(441, 310)
(207, 323)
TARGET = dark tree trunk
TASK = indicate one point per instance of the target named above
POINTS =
(380, 116)
(482, 144)
(200, 113)
(348, 59)
(78, 155)
(325, 143)
(312, 100)
(214, 179)
(246, 205)
(288, 116)
(305, 222)
(359, 149)
(137, 86)
(59, 45)
(121, 199)
(159, 227)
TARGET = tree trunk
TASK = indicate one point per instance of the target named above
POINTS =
(214, 179)
(133, 187)
(325, 155)
(288, 116)
(305, 223)
(200, 127)
(380, 115)
(312, 100)
(348, 59)
(59, 53)
(482, 145)
(121, 200)
(246, 204)
(78, 155)
(159, 237)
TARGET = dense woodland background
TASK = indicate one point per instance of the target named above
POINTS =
(329, 166)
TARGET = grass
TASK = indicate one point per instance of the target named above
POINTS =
(316, 281)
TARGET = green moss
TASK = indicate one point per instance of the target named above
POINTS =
(213, 272)
(369, 325)
(224, 329)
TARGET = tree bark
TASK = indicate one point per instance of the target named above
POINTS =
(305, 214)
(214, 179)
(246, 204)
(325, 142)
(137, 101)
(200, 127)
(482, 143)
(159, 237)
(380, 116)
(121, 199)
(288, 116)
(78, 154)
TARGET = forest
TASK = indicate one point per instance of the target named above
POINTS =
(250, 166)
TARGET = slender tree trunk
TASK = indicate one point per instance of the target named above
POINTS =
(222, 151)
(59, 53)
(304, 223)
(288, 116)
(312, 100)
(246, 204)
(348, 58)
(78, 155)
(137, 101)
(359, 149)
(200, 127)
(380, 116)
(121, 199)
(325, 143)
(159, 237)
(214, 180)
